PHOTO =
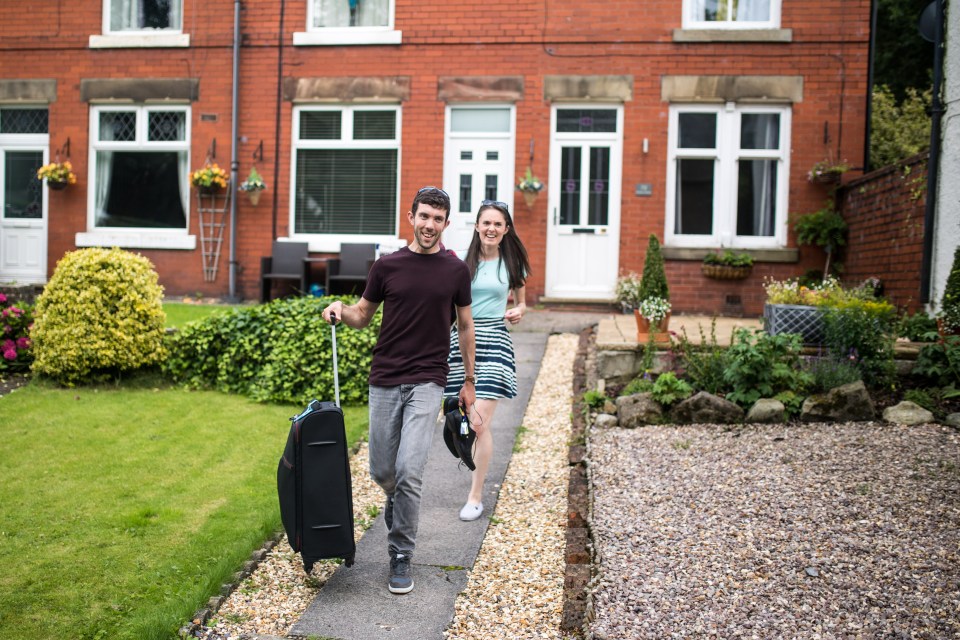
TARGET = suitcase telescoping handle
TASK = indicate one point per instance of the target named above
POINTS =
(336, 375)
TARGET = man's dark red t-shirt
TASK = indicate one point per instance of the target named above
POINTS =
(417, 292)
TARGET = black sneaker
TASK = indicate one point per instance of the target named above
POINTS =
(388, 513)
(400, 579)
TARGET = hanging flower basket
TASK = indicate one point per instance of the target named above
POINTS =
(254, 196)
(210, 179)
(57, 186)
(530, 197)
(253, 185)
(725, 271)
(57, 174)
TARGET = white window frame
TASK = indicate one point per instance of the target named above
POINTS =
(321, 242)
(692, 21)
(335, 36)
(136, 237)
(137, 38)
(726, 156)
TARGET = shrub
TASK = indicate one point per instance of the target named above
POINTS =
(668, 389)
(919, 327)
(100, 314)
(760, 366)
(860, 330)
(702, 363)
(939, 363)
(641, 384)
(16, 348)
(898, 131)
(654, 281)
(950, 303)
(594, 399)
(277, 352)
(829, 372)
(792, 402)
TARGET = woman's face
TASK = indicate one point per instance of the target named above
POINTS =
(491, 226)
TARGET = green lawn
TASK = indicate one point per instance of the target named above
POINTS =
(180, 313)
(122, 510)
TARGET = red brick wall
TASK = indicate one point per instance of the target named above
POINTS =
(532, 39)
(885, 210)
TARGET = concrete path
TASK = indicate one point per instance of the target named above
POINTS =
(355, 603)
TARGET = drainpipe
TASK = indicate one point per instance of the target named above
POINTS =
(234, 164)
(933, 163)
(871, 54)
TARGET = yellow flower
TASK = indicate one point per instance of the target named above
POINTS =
(57, 172)
(211, 175)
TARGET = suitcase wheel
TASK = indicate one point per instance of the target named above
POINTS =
(308, 566)
(348, 561)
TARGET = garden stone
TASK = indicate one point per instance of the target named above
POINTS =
(952, 420)
(846, 403)
(907, 413)
(610, 407)
(605, 421)
(706, 408)
(638, 410)
(766, 411)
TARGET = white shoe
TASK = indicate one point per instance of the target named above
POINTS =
(471, 511)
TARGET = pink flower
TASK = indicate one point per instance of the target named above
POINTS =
(3, 298)
(10, 355)
(9, 344)
(5, 313)
(23, 342)
(7, 328)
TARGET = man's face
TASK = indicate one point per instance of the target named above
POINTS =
(428, 223)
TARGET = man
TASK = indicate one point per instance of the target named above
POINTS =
(418, 286)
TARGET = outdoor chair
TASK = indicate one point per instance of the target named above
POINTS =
(288, 262)
(348, 273)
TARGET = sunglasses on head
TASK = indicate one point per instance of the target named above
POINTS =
(495, 203)
(434, 189)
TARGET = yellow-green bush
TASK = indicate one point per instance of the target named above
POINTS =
(101, 313)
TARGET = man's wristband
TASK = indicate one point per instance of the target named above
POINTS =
(469, 379)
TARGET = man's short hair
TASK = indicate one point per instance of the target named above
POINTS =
(433, 196)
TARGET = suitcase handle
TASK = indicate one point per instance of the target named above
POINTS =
(336, 375)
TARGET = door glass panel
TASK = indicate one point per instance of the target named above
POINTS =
(22, 196)
(694, 197)
(466, 155)
(490, 188)
(480, 120)
(586, 120)
(599, 201)
(466, 192)
(570, 159)
(493, 155)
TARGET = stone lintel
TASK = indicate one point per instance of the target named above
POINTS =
(139, 89)
(347, 89)
(27, 91)
(480, 88)
(773, 89)
(588, 88)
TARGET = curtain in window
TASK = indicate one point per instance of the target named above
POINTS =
(758, 178)
(103, 175)
(351, 13)
(753, 11)
(135, 15)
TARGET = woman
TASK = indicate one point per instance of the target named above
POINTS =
(498, 264)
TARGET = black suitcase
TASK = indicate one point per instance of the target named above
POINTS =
(313, 482)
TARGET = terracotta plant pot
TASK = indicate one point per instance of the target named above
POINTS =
(660, 333)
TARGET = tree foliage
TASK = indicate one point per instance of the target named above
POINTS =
(898, 131)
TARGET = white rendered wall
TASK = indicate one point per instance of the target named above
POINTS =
(947, 227)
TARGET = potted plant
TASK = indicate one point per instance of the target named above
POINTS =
(827, 171)
(57, 174)
(253, 185)
(727, 265)
(530, 187)
(653, 313)
(948, 320)
(824, 228)
(628, 292)
(209, 179)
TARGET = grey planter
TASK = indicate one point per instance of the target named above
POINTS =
(804, 320)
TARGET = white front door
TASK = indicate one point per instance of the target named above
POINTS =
(583, 238)
(23, 223)
(478, 165)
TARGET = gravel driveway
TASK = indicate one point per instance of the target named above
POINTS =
(814, 531)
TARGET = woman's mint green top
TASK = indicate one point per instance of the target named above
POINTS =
(490, 289)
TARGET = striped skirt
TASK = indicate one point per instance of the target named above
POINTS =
(496, 369)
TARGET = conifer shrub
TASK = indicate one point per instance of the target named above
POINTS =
(654, 281)
(100, 315)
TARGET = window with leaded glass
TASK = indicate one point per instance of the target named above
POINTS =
(731, 14)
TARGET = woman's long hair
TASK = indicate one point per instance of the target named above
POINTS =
(512, 251)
